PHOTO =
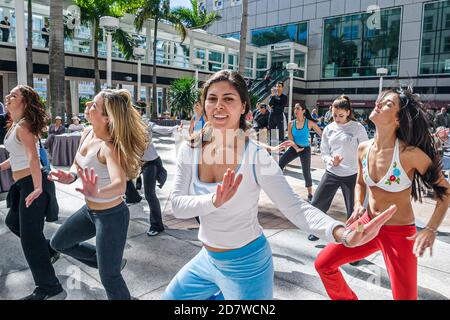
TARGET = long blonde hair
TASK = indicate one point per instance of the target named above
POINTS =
(128, 132)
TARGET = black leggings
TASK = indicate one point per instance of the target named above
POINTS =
(28, 225)
(305, 159)
(327, 189)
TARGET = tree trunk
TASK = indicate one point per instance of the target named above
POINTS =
(56, 58)
(154, 88)
(243, 38)
(30, 45)
(68, 101)
(97, 85)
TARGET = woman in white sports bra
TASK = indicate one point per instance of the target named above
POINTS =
(392, 168)
(31, 198)
(109, 153)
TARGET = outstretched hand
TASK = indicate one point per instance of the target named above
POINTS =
(364, 233)
(60, 176)
(227, 189)
(90, 182)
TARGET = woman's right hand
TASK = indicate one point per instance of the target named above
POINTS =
(61, 176)
(357, 213)
(227, 189)
(336, 160)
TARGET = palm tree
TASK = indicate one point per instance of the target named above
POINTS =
(30, 45)
(243, 38)
(91, 12)
(195, 18)
(157, 10)
(56, 56)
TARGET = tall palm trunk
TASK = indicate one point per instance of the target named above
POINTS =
(243, 39)
(30, 45)
(68, 100)
(96, 69)
(56, 58)
(154, 89)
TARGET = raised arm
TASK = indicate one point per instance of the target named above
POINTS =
(306, 217)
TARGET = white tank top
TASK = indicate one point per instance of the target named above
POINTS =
(17, 155)
(100, 169)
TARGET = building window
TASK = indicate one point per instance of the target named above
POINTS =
(435, 54)
(235, 2)
(297, 32)
(352, 49)
(217, 4)
(234, 35)
(202, 5)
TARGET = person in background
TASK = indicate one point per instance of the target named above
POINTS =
(314, 114)
(55, 129)
(442, 118)
(299, 144)
(5, 26)
(76, 126)
(278, 101)
(339, 151)
(328, 116)
(198, 120)
(261, 119)
(45, 34)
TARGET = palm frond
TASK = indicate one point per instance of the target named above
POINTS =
(125, 42)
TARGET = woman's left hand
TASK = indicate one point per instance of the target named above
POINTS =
(364, 233)
(90, 182)
(422, 240)
(32, 196)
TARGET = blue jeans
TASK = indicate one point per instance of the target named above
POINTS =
(110, 229)
(241, 274)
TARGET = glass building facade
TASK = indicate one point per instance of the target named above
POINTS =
(296, 32)
(356, 45)
(435, 43)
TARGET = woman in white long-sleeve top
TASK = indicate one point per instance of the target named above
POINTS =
(339, 150)
(219, 178)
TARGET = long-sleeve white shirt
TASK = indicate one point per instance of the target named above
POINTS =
(235, 223)
(342, 140)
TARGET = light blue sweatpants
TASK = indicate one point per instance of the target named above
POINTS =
(240, 274)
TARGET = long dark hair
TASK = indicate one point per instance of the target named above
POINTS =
(343, 102)
(236, 80)
(307, 114)
(34, 112)
(414, 131)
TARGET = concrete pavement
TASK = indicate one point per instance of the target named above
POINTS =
(153, 261)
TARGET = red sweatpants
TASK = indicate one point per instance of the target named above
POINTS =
(401, 263)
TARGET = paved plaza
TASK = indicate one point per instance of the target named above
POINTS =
(153, 261)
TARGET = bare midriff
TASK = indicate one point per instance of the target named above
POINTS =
(380, 200)
(103, 206)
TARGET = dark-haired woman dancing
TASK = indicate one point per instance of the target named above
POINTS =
(392, 166)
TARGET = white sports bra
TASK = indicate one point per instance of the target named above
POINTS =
(395, 179)
(18, 156)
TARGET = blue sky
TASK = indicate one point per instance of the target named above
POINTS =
(180, 3)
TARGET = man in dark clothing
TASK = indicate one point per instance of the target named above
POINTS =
(45, 34)
(261, 118)
(278, 101)
(5, 25)
(442, 119)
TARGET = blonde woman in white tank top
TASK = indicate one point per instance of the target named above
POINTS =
(31, 198)
(109, 153)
